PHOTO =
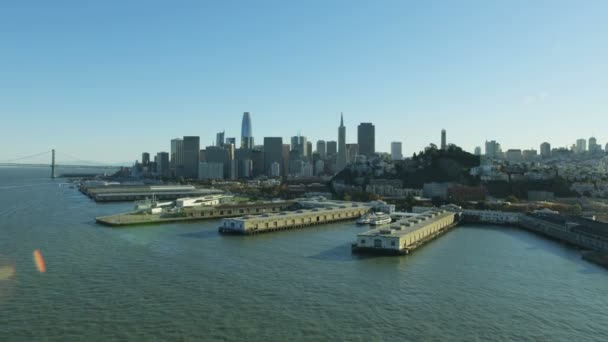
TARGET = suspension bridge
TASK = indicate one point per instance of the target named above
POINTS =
(64, 161)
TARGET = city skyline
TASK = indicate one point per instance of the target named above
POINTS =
(409, 69)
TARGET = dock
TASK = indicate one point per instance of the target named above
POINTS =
(326, 213)
(194, 213)
(117, 193)
(404, 236)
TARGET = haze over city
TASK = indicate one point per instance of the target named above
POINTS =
(519, 72)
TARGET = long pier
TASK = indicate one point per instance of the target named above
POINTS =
(194, 213)
(293, 219)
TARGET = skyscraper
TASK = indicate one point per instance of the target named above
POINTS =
(443, 140)
(177, 157)
(191, 156)
(162, 164)
(273, 153)
(332, 148)
(321, 149)
(396, 150)
(366, 138)
(593, 146)
(231, 141)
(581, 146)
(246, 132)
(493, 149)
(145, 159)
(219, 139)
(298, 143)
(545, 150)
(341, 161)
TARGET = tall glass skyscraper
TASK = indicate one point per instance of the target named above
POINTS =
(246, 133)
(341, 162)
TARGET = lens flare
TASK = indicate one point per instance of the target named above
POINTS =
(39, 261)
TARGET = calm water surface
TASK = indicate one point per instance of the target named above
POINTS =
(184, 282)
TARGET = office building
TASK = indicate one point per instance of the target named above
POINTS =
(309, 149)
(162, 164)
(581, 146)
(352, 150)
(219, 139)
(246, 132)
(366, 138)
(321, 149)
(275, 169)
(231, 141)
(341, 161)
(145, 159)
(545, 150)
(332, 148)
(493, 149)
(594, 147)
(396, 150)
(273, 153)
(211, 171)
(443, 140)
(191, 156)
(298, 143)
(176, 157)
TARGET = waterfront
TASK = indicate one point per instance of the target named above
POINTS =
(185, 281)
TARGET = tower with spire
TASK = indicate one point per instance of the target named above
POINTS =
(341, 162)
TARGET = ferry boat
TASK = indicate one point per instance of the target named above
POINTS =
(363, 219)
(379, 219)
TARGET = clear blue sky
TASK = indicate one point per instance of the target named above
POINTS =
(106, 80)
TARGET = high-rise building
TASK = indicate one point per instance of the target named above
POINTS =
(321, 149)
(162, 164)
(478, 150)
(443, 140)
(606, 148)
(191, 156)
(396, 150)
(145, 159)
(275, 169)
(231, 141)
(593, 146)
(332, 148)
(208, 170)
(177, 157)
(493, 149)
(246, 132)
(366, 138)
(352, 150)
(298, 143)
(581, 146)
(545, 150)
(273, 153)
(341, 161)
(285, 164)
(219, 139)
(309, 149)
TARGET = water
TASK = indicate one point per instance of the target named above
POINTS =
(186, 282)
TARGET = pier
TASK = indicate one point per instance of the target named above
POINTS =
(404, 236)
(194, 213)
(324, 214)
(117, 193)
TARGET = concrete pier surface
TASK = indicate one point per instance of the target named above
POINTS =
(117, 192)
(194, 213)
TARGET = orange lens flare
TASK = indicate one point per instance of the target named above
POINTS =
(39, 261)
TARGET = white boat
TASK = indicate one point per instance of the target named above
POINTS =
(379, 219)
(363, 220)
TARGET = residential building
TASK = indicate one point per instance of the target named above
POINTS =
(545, 150)
(396, 150)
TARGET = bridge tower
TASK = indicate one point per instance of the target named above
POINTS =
(53, 163)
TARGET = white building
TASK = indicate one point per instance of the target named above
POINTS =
(396, 150)
(581, 146)
(275, 169)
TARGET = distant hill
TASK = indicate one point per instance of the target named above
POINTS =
(431, 165)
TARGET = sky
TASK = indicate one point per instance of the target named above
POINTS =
(107, 80)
